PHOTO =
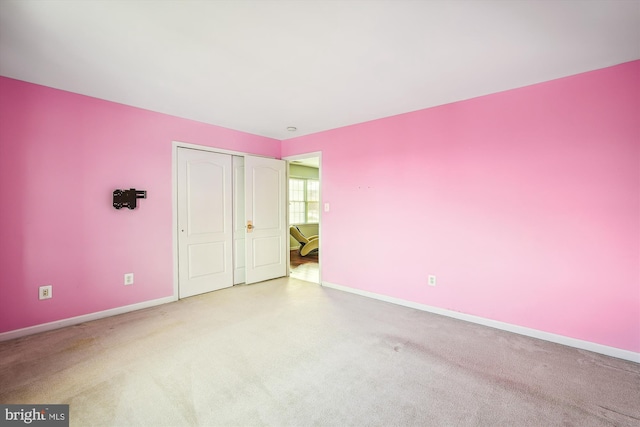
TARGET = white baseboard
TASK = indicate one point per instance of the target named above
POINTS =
(18, 333)
(534, 333)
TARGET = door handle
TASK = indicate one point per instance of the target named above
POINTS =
(250, 226)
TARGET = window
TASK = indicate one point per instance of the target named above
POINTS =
(304, 200)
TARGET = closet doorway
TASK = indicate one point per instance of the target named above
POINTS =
(230, 219)
(305, 213)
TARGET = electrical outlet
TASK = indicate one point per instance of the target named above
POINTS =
(432, 280)
(45, 292)
(128, 279)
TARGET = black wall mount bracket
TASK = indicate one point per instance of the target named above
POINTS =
(127, 198)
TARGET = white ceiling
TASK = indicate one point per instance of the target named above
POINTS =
(260, 66)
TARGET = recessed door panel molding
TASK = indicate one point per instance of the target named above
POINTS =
(206, 211)
(207, 259)
(266, 251)
(267, 209)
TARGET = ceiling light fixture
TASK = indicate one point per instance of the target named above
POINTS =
(292, 128)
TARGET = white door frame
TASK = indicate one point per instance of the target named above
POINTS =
(289, 159)
(174, 196)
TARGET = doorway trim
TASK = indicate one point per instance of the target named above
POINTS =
(174, 197)
(289, 159)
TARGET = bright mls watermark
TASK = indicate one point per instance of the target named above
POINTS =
(34, 415)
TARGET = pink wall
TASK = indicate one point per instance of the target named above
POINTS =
(61, 156)
(525, 204)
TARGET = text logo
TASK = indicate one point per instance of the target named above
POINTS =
(34, 415)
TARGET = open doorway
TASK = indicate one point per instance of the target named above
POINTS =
(305, 216)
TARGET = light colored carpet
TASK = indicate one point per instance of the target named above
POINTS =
(291, 353)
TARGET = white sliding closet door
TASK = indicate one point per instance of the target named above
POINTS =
(267, 234)
(205, 231)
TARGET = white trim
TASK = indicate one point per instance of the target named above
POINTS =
(286, 216)
(180, 144)
(521, 330)
(174, 213)
(18, 333)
